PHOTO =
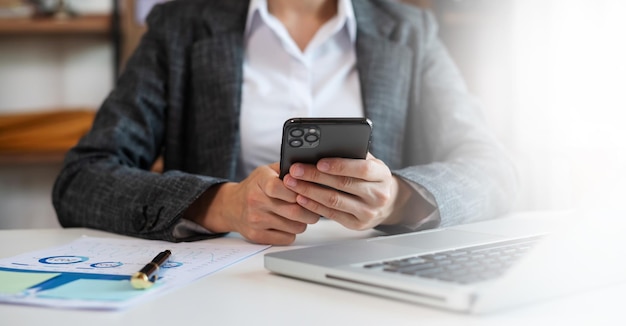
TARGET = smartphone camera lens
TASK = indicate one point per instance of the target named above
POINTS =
(295, 143)
(297, 132)
(311, 138)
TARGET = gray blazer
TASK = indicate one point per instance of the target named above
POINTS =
(180, 97)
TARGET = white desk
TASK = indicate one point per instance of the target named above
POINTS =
(247, 294)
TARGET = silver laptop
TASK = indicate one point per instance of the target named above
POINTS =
(475, 268)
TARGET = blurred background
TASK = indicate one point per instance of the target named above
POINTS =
(550, 74)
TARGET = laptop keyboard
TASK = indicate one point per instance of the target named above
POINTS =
(464, 266)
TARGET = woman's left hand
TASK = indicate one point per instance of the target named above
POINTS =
(368, 193)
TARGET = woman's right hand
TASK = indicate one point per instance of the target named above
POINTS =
(260, 208)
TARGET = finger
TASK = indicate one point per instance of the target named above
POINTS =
(328, 197)
(302, 172)
(348, 220)
(270, 237)
(266, 179)
(275, 167)
(272, 221)
(275, 188)
(370, 169)
(295, 212)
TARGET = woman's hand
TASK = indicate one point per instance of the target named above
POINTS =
(368, 194)
(260, 208)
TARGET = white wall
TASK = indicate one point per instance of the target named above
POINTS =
(551, 75)
(570, 75)
(39, 73)
(45, 72)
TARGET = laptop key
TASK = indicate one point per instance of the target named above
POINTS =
(429, 272)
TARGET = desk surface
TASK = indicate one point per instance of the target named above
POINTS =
(247, 294)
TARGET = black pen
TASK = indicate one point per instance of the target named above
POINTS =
(146, 277)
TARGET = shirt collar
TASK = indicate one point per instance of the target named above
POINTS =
(345, 12)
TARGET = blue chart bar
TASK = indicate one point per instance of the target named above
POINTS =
(67, 277)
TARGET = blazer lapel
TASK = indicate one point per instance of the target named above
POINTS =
(216, 79)
(384, 68)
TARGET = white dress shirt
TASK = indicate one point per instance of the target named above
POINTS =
(280, 81)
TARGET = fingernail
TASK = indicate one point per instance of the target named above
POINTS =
(291, 182)
(302, 200)
(323, 166)
(297, 171)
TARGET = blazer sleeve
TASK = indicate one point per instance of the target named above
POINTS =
(449, 149)
(105, 182)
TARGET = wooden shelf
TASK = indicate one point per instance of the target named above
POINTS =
(41, 137)
(88, 25)
(30, 159)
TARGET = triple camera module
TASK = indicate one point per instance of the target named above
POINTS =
(307, 137)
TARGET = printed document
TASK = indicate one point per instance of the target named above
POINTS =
(94, 273)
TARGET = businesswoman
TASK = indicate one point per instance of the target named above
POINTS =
(209, 88)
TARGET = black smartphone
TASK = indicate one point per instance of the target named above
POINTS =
(307, 140)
